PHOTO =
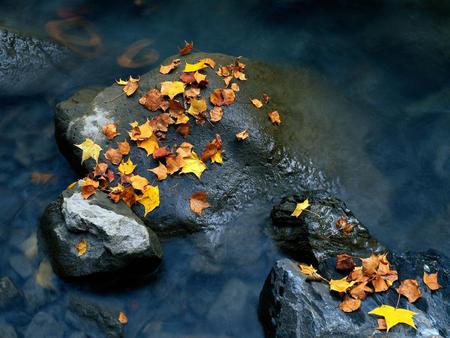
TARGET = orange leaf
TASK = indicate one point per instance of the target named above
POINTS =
(122, 318)
(350, 304)
(222, 97)
(81, 247)
(187, 48)
(130, 86)
(275, 118)
(242, 135)
(160, 171)
(152, 100)
(257, 103)
(124, 147)
(431, 280)
(110, 130)
(168, 68)
(410, 289)
(198, 202)
(344, 262)
(113, 155)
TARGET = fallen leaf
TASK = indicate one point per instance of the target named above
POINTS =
(192, 93)
(217, 157)
(113, 155)
(138, 182)
(257, 103)
(187, 48)
(174, 163)
(168, 68)
(340, 285)
(150, 145)
(161, 153)
(90, 150)
(44, 275)
(370, 264)
(71, 185)
(235, 87)
(122, 318)
(194, 67)
(185, 149)
(110, 130)
(410, 289)
(394, 316)
(300, 207)
(431, 280)
(124, 147)
(193, 164)
(81, 247)
(198, 202)
(184, 129)
(275, 118)
(149, 199)
(140, 132)
(197, 107)
(212, 148)
(130, 86)
(152, 100)
(199, 77)
(160, 171)
(350, 304)
(242, 135)
(380, 284)
(381, 324)
(265, 98)
(88, 187)
(172, 88)
(208, 61)
(216, 114)
(222, 97)
(127, 167)
(344, 262)
(359, 291)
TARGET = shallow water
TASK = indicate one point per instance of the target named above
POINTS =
(390, 61)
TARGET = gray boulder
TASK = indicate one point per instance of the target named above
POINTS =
(116, 238)
(26, 62)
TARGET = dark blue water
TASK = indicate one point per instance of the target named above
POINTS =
(391, 60)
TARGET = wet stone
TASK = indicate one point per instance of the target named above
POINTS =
(44, 325)
(7, 331)
(10, 295)
(21, 265)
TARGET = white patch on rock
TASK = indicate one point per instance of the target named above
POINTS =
(92, 124)
(120, 234)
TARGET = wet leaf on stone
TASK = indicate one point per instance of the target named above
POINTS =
(187, 48)
(149, 198)
(160, 171)
(82, 247)
(257, 103)
(350, 304)
(274, 117)
(89, 150)
(300, 207)
(130, 86)
(431, 280)
(242, 135)
(172, 88)
(410, 289)
(110, 130)
(394, 316)
(127, 167)
(122, 318)
(340, 285)
(168, 68)
(198, 202)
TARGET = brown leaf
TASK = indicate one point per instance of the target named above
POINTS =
(198, 202)
(359, 291)
(122, 318)
(185, 149)
(152, 100)
(379, 284)
(242, 135)
(235, 87)
(110, 130)
(161, 153)
(174, 163)
(88, 187)
(138, 182)
(275, 118)
(370, 264)
(265, 98)
(113, 155)
(410, 289)
(192, 93)
(183, 129)
(350, 304)
(187, 48)
(168, 68)
(257, 103)
(222, 97)
(124, 147)
(216, 114)
(160, 171)
(212, 148)
(130, 86)
(188, 78)
(344, 262)
(381, 324)
(431, 280)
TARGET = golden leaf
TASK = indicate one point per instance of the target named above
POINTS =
(130, 86)
(300, 207)
(275, 118)
(127, 167)
(198, 202)
(199, 77)
(122, 318)
(172, 88)
(194, 67)
(193, 164)
(235, 87)
(217, 157)
(197, 107)
(242, 135)
(167, 69)
(90, 150)
(209, 62)
(150, 145)
(138, 182)
(149, 198)
(81, 247)
(160, 171)
(310, 272)
(340, 285)
(394, 316)
(431, 280)
(257, 103)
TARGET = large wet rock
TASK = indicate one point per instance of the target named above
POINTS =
(291, 306)
(116, 238)
(26, 62)
(314, 236)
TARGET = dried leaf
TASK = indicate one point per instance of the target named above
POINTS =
(265, 98)
(149, 198)
(127, 167)
(82, 247)
(168, 68)
(197, 107)
(344, 262)
(138, 182)
(174, 163)
(140, 132)
(88, 187)
(216, 114)
(130, 86)
(172, 88)
(184, 129)
(161, 153)
(122, 318)
(222, 97)
(124, 147)
(275, 118)
(198, 202)
(235, 87)
(110, 130)
(350, 304)
(187, 48)
(410, 289)
(310, 272)
(300, 207)
(199, 77)
(431, 280)
(160, 171)
(257, 103)
(394, 316)
(152, 100)
(150, 145)
(90, 150)
(113, 155)
(359, 291)
(242, 135)
(193, 164)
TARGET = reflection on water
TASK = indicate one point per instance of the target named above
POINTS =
(389, 60)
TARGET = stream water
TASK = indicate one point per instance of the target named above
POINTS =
(392, 59)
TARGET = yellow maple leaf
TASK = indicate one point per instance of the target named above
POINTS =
(217, 157)
(199, 77)
(149, 198)
(182, 119)
(197, 107)
(127, 167)
(394, 316)
(300, 207)
(307, 269)
(130, 86)
(192, 67)
(90, 150)
(81, 247)
(150, 144)
(192, 164)
(340, 285)
(172, 88)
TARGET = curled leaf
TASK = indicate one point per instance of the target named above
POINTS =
(431, 280)
(198, 202)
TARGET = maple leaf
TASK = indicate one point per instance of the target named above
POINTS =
(340, 285)
(257, 103)
(110, 130)
(212, 148)
(300, 207)
(370, 264)
(394, 316)
(350, 304)
(160, 171)
(88, 187)
(172, 88)
(410, 289)
(197, 107)
(90, 150)
(344, 226)
(122, 318)
(431, 280)
(150, 145)
(310, 272)
(242, 135)
(127, 167)
(217, 157)
(82, 247)
(344, 262)
(161, 153)
(222, 97)
(182, 119)
(152, 100)
(195, 66)
(113, 155)
(275, 118)
(130, 86)
(193, 164)
(198, 202)
(124, 147)
(174, 163)
(149, 198)
(183, 129)
(199, 77)
(216, 114)
(168, 68)
(140, 132)
(138, 182)
(359, 291)
(187, 48)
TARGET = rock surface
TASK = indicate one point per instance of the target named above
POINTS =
(314, 237)
(116, 238)
(291, 306)
(9, 294)
(44, 325)
(25, 63)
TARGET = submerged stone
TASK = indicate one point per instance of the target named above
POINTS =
(116, 238)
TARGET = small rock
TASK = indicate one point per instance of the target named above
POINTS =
(21, 265)
(44, 325)
(10, 295)
(7, 331)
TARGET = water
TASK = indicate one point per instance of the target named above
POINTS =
(389, 59)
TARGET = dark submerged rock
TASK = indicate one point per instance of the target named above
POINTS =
(10, 295)
(291, 306)
(117, 239)
(44, 325)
